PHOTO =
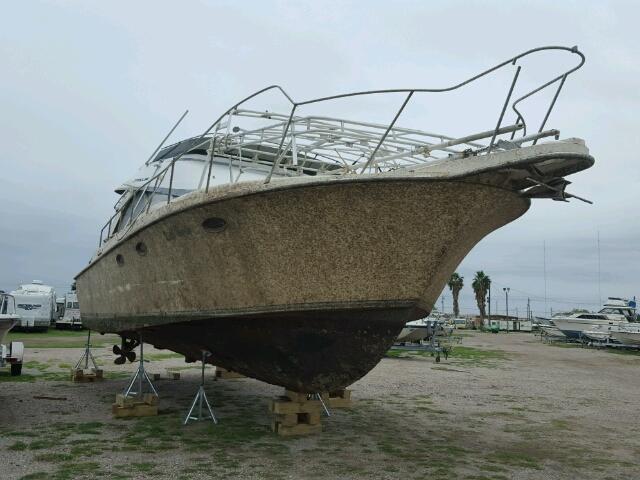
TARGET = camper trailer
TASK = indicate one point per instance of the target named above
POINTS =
(71, 316)
(36, 305)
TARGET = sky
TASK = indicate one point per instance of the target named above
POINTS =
(88, 90)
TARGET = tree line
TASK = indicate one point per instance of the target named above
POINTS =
(481, 285)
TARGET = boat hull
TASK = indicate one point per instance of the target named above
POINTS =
(627, 338)
(575, 328)
(7, 322)
(348, 262)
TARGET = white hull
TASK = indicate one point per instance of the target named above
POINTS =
(627, 338)
(575, 327)
(597, 335)
(551, 331)
(7, 322)
(413, 334)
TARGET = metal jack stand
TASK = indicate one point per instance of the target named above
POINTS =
(201, 397)
(140, 377)
(87, 356)
(318, 396)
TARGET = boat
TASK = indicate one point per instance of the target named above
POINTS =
(13, 353)
(71, 316)
(8, 316)
(294, 247)
(614, 312)
(600, 333)
(36, 305)
(627, 334)
(421, 329)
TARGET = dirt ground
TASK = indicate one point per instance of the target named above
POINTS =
(504, 406)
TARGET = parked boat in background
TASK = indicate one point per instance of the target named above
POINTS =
(11, 354)
(614, 311)
(627, 334)
(421, 329)
(36, 305)
(8, 316)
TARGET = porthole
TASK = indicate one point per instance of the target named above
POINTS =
(214, 224)
(141, 248)
(120, 260)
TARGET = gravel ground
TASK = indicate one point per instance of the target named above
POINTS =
(503, 406)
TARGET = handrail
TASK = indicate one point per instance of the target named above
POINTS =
(280, 152)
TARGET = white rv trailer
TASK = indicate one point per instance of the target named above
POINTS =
(71, 316)
(36, 305)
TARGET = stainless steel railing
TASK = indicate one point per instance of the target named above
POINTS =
(287, 143)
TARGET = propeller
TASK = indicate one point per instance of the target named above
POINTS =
(125, 352)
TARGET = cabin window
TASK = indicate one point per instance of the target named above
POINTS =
(136, 205)
(76, 305)
(69, 304)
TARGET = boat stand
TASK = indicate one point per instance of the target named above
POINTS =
(318, 396)
(86, 370)
(87, 356)
(140, 377)
(200, 398)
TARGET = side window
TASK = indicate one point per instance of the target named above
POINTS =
(69, 304)
(76, 305)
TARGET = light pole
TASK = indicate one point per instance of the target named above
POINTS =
(506, 294)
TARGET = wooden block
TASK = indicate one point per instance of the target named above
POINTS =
(286, 419)
(155, 376)
(337, 399)
(175, 375)
(313, 418)
(300, 429)
(137, 410)
(98, 373)
(283, 405)
(122, 401)
(150, 399)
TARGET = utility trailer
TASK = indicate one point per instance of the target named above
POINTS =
(13, 353)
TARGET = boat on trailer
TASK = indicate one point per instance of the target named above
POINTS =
(615, 311)
(295, 247)
(11, 354)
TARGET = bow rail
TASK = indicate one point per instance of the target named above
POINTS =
(291, 144)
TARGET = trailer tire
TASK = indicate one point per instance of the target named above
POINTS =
(16, 369)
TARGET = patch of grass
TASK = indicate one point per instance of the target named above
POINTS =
(53, 457)
(559, 424)
(514, 459)
(42, 444)
(60, 339)
(163, 356)
(18, 446)
(36, 476)
(476, 355)
(70, 470)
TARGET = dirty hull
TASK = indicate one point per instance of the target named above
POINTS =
(306, 351)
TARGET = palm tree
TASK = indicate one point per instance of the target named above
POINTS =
(456, 282)
(481, 284)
